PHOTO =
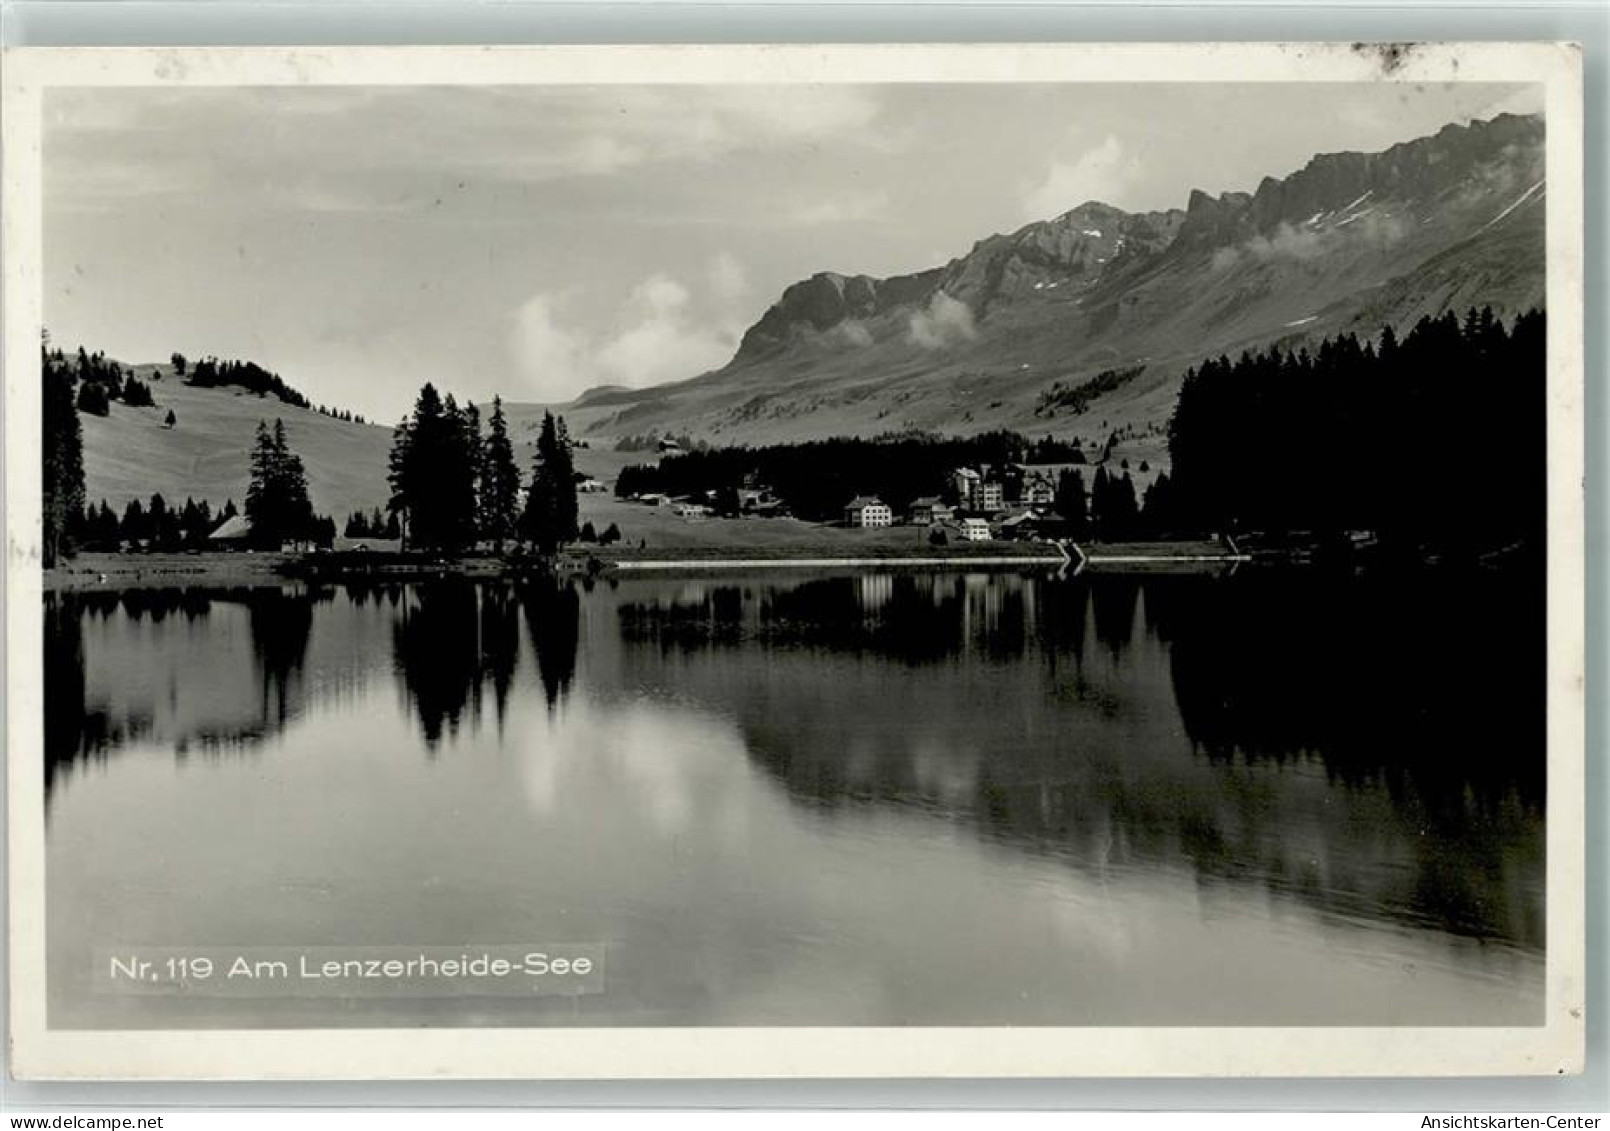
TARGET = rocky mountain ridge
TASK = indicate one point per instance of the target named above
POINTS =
(1350, 242)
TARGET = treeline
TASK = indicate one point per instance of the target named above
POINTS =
(97, 382)
(375, 524)
(153, 523)
(1111, 510)
(817, 478)
(454, 486)
(1436, 440)
(210, 373)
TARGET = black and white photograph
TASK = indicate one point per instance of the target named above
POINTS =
(914, 544)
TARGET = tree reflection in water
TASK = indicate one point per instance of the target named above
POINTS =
(1371, 745)
(1158, 718)
(455, 638)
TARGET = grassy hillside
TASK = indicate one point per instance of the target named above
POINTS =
(206, 455)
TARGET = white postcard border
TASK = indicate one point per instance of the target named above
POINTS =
(37, 1052)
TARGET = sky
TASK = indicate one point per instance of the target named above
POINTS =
(537, 241)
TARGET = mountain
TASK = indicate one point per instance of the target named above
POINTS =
(999, 337)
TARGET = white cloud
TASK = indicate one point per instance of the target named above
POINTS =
(855, 333)
(1104, 173)
(944, 322)
(664, 331)
(662, 342)
(550, 358)
(1292, 243)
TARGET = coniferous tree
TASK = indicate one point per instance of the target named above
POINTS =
(1100, 497)
(62, 460)
(277, 504)
(551, 509)
(136, 394)
(435, 457)
(500, 482)
(1070, 501)
(1122, 509)
(134, 527)
(102, 530)
(92, 399)
(1157, 512)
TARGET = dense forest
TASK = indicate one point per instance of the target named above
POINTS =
(154, 523)
(1436, 440)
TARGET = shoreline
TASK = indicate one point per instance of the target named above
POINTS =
(179, 570)
(955, 561)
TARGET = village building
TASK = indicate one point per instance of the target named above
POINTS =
(233, 533)
(1038, 490)
(986, 495)
(928, 510)
(975, 530)
(590, 486)
(867, 511)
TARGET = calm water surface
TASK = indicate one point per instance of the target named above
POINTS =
(860, 799)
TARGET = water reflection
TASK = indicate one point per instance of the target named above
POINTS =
(677, 760)
(1424, 809)
(553, 617)
(454, 640)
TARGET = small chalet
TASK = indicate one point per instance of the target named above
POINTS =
(233, 533)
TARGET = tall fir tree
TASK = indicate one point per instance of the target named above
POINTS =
(500, 482)
(551, 509)
(435, 457)
(1070, 501)
(277, 503)
(62, 460)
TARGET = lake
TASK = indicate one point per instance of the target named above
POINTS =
(926, 798)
